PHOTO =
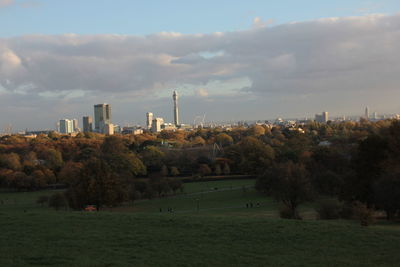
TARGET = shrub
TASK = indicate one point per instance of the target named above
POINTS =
(57, 201)
(329, 209)
(363, 214)
(287, 213)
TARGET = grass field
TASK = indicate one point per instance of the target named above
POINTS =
(223, 232)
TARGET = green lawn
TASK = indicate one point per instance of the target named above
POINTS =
(219, 234)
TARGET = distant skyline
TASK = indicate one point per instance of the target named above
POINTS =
(242, 61)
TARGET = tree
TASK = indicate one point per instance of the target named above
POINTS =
(387, 193)
(198, 141)
(11, 161)
(204, 170)
(251, 155)
(226, 170)
(164, 171)
(113, 145)
(368, 162)
(287, 182)
(218, 170)
(53, 159)
(224, 140)
(153, 158)
(257, 130)
(174, 171)
(97, 184)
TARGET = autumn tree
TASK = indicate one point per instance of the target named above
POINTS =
(251, 155)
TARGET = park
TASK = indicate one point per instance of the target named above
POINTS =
(207, 224)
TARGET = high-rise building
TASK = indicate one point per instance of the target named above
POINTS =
(75, 125)
(66, 126)
(149, 120)
(102, 117)
(325, 116)
(366, 115)
(156, 125)
(176, 110)
(87, 124)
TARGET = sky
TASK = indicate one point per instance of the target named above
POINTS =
(229, 60)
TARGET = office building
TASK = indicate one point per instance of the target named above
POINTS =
(108, 129)
(102, 117)
(156, 125)
(366, 115)
(87, 124)
(75, 125)
(322, 118)
(149, 120)
(66, 126)
(176, 110)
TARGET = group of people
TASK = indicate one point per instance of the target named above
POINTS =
(250, 205)
(168, 210)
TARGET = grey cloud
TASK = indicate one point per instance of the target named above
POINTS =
(345, 56)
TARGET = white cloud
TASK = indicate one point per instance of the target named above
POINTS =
(202, 92)
(259, 23)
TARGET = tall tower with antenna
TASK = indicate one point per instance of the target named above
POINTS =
(176, 110)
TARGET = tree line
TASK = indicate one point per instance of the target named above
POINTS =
(354, 162)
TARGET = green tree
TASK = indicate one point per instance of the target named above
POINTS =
(288, 183)
(251, 155)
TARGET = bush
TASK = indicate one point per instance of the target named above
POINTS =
(329, 209)
(287, 213)
(57, 201)
(363, 214)
(347, 211)
(42, 200)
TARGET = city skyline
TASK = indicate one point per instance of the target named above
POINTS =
(293, 67)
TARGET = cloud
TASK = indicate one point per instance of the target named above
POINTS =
(259, 23)
(321, 62)
(5, 3)
(202, 92)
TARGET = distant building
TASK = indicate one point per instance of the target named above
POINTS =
(102, 117)
(375, 115)
(117, 129)
(149, 120)
(322, 118)
(66, 126)
(75, 125)
(176, 110)
(87, 124)
(156, 125)
(366, 114)
(168, 126)
(131, 130)
(109, 129)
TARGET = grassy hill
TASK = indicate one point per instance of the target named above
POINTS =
(223, 232)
